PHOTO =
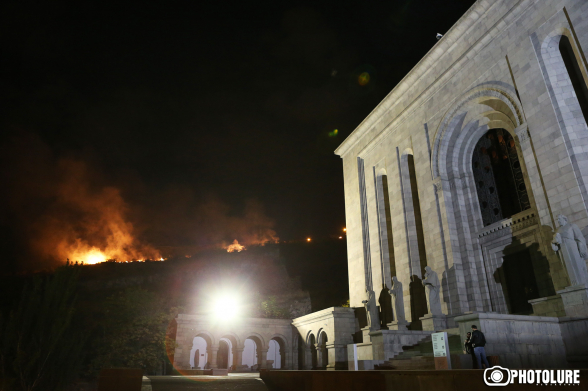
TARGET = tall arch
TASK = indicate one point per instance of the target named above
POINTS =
(285, 351)
(478, 111)
(235, 357)
(574, 69)
(566, 77)
(322, 353)
(313, 359)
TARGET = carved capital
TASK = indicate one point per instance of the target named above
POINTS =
(522, 133)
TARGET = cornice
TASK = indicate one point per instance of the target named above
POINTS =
(456, 36)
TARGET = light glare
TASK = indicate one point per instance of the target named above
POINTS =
(225, 308)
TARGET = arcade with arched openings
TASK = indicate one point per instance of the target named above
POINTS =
(247, 345)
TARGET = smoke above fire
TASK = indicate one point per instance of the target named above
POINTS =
(62, 208)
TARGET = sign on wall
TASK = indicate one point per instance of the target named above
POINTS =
(441, 348)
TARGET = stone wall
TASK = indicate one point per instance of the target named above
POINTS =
(574, 332)
(520, 341)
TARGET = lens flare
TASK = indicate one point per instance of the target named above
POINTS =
(363, 79)
(334, 133)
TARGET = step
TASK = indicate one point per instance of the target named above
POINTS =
(421, 362)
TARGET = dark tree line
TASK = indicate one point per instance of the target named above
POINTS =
(53, 335)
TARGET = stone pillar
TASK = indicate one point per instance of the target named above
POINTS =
(262, 357)
(434, 322)
(575, 300)
(337, 354)
(213, 357)
(237, 358)
(287, 358)
(319, 356)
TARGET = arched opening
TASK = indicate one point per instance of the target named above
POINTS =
(234, 355)
(275, 354)
(575, 73)
(250, 354)
(225, 354)
(301, 352)
(199, 353)
(498, 175)
(313, 352)
(324, 355)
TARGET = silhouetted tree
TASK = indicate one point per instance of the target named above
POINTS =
(132, 331)
(39, 348)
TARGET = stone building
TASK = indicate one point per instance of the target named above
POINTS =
(454, 185)
(464, 168)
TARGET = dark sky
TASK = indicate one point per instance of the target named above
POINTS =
(184, 109)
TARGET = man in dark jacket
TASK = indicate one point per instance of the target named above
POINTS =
(478, 342)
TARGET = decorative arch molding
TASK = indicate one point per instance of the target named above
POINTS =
(282, 340)
(208, 337)
(234, 338)
(573, 130)
(485, 107)
(255, 337)
(505, 105)
(320, 335)
(307, 338)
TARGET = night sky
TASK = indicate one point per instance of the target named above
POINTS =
(200, 123)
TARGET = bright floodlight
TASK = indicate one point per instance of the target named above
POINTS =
(225, 308)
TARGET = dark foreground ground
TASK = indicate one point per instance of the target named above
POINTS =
(238, 381)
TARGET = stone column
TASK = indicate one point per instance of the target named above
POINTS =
(213, 357)
(237, 358)
(287, 358)
(262, 358)
(319, 356)
(337, 354)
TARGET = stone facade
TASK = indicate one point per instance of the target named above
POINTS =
(326, 332)
(411, 195)
(464, 168)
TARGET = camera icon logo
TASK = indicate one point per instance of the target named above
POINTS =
(496, 376)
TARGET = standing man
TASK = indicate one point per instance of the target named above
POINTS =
(478, 342)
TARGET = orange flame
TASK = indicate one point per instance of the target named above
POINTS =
(102, 233)
(235, 247)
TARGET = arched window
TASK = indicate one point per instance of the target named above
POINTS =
(573, 68)
(499, 178)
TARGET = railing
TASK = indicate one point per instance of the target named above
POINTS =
(519, 221)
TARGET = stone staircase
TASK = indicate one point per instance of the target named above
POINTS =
(420, 356)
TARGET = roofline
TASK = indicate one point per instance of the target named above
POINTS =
(424, 66)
